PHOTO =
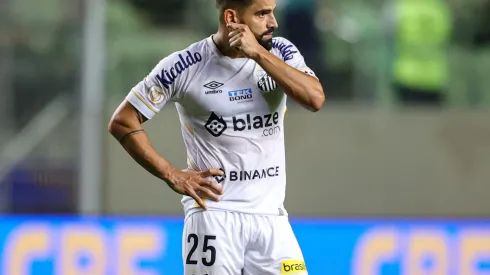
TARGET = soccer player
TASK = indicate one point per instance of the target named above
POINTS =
(230, 91)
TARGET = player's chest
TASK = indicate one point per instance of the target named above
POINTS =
(231, 90)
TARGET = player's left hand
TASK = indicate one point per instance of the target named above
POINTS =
(243, 40)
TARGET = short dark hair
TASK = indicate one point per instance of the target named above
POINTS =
(233, 4)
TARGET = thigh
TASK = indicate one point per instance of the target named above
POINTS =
(210, 246)
(275, 251)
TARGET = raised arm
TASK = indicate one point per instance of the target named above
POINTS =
(300, 85)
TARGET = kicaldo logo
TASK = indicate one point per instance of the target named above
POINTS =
(293, 267)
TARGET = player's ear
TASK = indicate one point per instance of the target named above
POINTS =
(230, 16)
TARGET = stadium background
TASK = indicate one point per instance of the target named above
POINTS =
(376, 186)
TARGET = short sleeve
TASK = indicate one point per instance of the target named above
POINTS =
(164, 83)
(291, 55)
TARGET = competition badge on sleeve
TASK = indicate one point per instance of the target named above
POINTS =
(155, 94)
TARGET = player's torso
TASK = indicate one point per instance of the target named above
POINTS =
(230, 87)
(227, 102)
(232, 115)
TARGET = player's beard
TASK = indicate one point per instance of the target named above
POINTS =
(266, 43)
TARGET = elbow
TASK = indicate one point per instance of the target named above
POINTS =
(117, 126)
(318, 100)
(123, 120)
(113, 126)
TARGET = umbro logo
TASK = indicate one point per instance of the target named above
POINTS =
(213, 85)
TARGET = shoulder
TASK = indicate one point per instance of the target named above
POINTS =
(191, 56)
(284, 48)
(182, 63)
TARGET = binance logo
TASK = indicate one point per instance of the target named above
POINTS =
(220, 179)
(293, 267)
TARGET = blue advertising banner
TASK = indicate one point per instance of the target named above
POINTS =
(152, 246)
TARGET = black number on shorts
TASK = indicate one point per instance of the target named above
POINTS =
(193, 248)
(206, 247)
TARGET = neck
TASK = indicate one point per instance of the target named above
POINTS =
(223, 43)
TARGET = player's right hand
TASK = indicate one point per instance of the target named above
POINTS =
(194, 184)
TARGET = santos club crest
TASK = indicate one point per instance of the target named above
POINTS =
(264, 81)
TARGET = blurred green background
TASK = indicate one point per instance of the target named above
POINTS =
(351, 43)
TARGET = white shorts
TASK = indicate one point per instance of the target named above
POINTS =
(228, 243)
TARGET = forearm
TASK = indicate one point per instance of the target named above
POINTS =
(141, 150)
(301, 87)
(130, 134)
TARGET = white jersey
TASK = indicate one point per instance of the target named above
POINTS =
(232, 116)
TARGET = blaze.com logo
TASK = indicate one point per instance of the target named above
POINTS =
(216, 125)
